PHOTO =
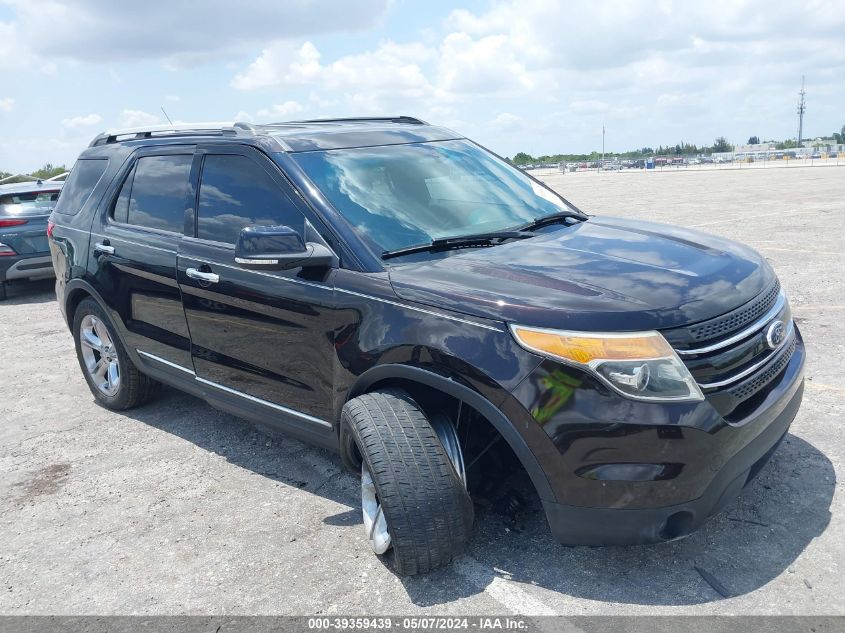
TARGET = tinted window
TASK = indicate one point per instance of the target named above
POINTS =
(28, 203)
(121, 205)
(157, 198)
(78, 187)
(236, 192)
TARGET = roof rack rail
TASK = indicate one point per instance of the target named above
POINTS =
(375, 119)
(179, 129)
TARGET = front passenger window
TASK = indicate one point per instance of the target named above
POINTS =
(235, 192)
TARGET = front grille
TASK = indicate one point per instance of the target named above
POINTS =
(750, 387)
(736, 320)
(723, 326)
(730, 357)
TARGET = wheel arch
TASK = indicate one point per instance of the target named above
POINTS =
(395, 374)
(76, 291)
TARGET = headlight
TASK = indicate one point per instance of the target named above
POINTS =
(640, 365)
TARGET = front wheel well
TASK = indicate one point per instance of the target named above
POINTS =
(492, 465)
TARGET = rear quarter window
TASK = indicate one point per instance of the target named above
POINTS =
(83, 178)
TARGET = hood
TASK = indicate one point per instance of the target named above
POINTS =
(602, 274)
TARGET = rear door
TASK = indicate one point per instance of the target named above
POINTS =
(260, 340)
(133, 250)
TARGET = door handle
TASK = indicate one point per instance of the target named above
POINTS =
(104, 248)
(211, 278)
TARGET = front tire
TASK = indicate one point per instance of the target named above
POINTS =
(418, 503)
(112, 378)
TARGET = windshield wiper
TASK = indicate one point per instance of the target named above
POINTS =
(462, 241)
(554, 218)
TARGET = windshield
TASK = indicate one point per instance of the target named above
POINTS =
(404, 195)
(28, 203)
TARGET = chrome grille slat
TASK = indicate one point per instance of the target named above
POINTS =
(736, 319)
(752, 329)
(789, 340)
(750, 387)
(718, 351)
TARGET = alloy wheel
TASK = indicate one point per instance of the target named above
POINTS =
(100, 355)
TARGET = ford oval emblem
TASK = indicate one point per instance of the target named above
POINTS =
(775, 334)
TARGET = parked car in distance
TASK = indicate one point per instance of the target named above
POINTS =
(24, 209)
(392, 291)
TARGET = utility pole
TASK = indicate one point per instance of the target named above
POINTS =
(601, 165)
(801, 109)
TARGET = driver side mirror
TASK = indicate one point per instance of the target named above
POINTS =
(279, 248)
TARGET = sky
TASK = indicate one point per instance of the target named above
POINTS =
(539, 76)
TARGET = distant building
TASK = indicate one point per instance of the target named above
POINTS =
(753, 148)
(826, 145)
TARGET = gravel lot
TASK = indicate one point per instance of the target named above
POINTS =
(178, 508)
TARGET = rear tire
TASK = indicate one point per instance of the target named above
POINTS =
(2, 290)
(427, 509)
(117, 388)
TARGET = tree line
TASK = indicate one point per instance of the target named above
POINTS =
(720, 144)
(48, 170)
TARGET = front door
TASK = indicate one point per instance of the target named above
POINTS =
(259, 339)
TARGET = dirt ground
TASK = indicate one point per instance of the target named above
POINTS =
(178, 508)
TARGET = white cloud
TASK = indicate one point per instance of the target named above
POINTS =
(7, 104)
(508, 120)
(285, 109)
(390, 67)
(484, 66)
(11, 53)
(369, 81)
(137, 118)
(533, 75)
(589, 106)
(82, 121)
(271, 66)
(94, 31)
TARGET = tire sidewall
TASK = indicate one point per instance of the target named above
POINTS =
(121, 398)
(400, 541)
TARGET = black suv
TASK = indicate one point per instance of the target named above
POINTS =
(395, 292)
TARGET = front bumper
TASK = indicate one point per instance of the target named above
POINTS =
(575, 525)
(699, 461)
(35, 266)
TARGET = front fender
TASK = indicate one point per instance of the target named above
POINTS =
(518, 434)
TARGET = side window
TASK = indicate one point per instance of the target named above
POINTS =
(156, 198)
(234, 193)
(84, 176)
(121, 205)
